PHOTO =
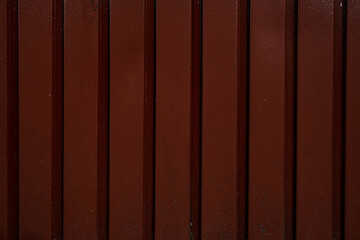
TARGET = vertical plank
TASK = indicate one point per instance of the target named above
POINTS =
(80, 119)
(3, 120)
(267, 115)
(219, 149)
(126, 119)
(352, 180)
(316, 120)
(35, 58)
(173, 87)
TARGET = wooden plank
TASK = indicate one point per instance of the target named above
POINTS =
(127, 119)
(316, 119)
(267, 114)
(173, 87)
(352, 180)
(220, 112)
(35, 119)
(80, 119)
(3, 120)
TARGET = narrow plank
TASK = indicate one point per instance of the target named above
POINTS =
(35, 73)
(127, 119)
(220, 111)
(80, 119)
(173, 88)
(315, 120)
(3, 120)
(352, 180)
(267, 120)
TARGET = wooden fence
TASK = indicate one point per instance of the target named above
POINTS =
(179, 119)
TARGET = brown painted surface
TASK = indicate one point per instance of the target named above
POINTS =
(237, 154)
(3, 120)
(315, 120)
(352, 180)
(173, 86)
(219, 120)
(80, 119)
(127, 119)
(266, 140)
(35, 119)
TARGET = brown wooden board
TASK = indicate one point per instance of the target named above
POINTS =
(352, 180)
(173, 87)
(35, 115)
(80, 119)
(219, 120)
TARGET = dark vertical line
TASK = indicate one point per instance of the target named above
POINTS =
(343, 120)
(338, 117)
(243, 117)
(57, 119)
(103, 120)
(195, 119)
(290, 118)
(296, 17)
(149, 121)
(12, 120)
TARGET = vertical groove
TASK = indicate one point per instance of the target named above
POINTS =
(149, 121)
(290, 118)
(243, 117)
(103, 120)
(57, 119)
(195, 119)
(339, 76)
(343, 123)
(12, 120)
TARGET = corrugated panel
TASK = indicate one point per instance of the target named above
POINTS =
(182, 119)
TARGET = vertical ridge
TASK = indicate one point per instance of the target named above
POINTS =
(243, 117)
(195, 120)
(103, 121)
(149, 121)
(57, 119)
(13, 120)
(339, 76)
(290, 118)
